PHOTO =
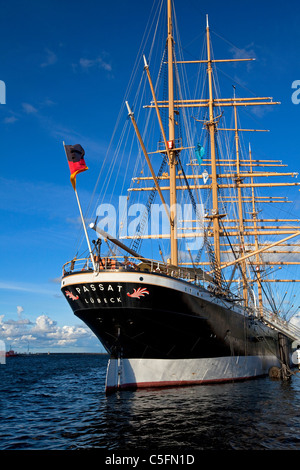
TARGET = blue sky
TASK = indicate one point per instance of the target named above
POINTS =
(66, 66)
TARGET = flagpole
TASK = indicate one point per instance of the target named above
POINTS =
(82, 220)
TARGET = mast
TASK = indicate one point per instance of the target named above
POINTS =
(256, 244)
(172, 162)
(211, 126)
(240, 204)
(221, 178)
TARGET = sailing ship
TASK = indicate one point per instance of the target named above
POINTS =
(190, 318)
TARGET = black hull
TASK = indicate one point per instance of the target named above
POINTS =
(164, 322)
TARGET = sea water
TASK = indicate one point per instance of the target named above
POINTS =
(58, 402)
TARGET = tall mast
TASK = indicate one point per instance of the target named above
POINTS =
(240, 203)
(172, 162)
(254, 216)
(211, 125)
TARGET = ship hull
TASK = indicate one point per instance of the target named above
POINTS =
(130, 374)
(161, 331)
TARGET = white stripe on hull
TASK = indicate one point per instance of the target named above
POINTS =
(142, 373)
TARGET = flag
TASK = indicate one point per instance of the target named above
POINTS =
(200, 151)
(205, 176)
(75, 154)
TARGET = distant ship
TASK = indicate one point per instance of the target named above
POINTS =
(11, 353)
(179, 321)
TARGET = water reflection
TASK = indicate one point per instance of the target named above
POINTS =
(260, 414)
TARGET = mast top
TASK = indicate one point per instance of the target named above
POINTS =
(207, 25)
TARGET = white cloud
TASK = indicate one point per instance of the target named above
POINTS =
(19, 310)
(48, 103)
(28, 108)
(44, 333)
(295, 320)
(10, 120)
(51, 58)
(98, 62)
(247, 52)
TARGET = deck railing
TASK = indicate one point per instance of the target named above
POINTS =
(121, 263)
(281, 324)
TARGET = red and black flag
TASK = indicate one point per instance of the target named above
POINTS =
(75, 154)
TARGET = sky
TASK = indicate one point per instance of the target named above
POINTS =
(66, 65)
